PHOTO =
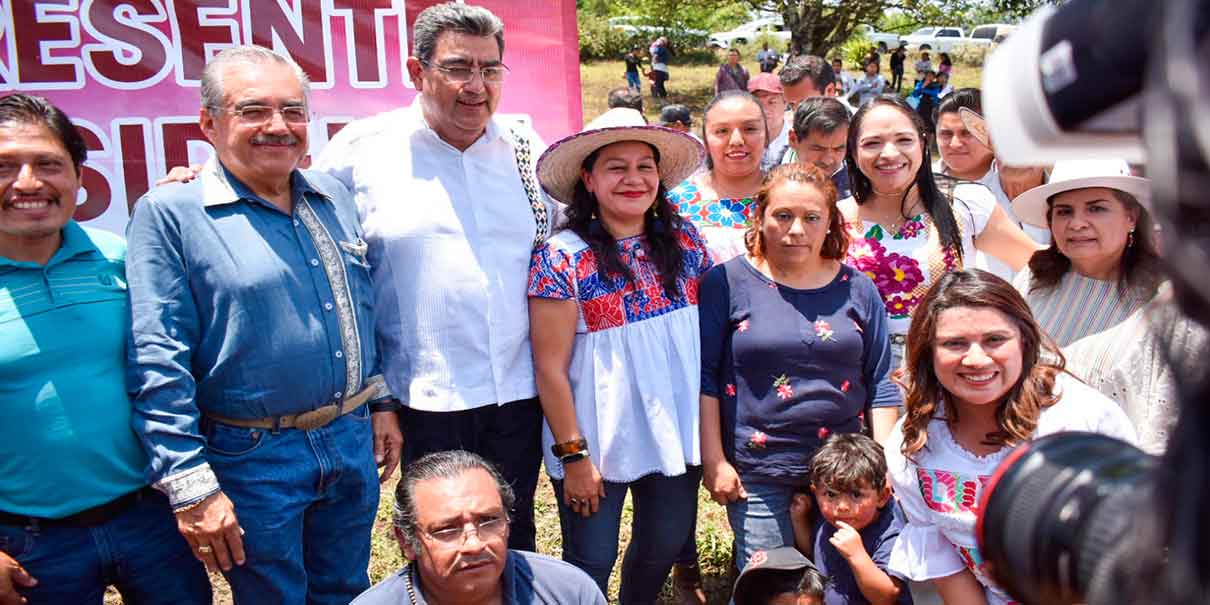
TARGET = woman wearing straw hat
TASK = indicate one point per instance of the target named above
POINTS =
(1095, 288)
(614, 326)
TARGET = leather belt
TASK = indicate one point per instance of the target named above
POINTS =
(305, 421)
(90, 517)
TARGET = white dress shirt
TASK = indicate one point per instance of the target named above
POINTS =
(450, 235)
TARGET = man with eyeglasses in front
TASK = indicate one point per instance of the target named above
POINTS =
(452, 211)
(451, 520)
(253, 366)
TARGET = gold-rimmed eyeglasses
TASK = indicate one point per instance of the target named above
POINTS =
(255, 115)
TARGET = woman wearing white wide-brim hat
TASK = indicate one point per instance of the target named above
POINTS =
(1095, 290)
(614, 327)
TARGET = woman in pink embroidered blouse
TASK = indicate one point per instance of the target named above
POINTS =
(907, 226)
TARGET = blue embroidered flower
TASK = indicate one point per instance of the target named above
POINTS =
(728, 213)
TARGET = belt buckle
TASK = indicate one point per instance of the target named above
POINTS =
(316, 418)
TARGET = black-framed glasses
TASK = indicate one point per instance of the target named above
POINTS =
(461, 74)
(255, 115)
(486, 529)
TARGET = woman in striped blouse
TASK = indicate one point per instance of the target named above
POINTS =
(1094, 288)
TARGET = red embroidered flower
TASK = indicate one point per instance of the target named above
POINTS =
(784, 390)
(731, 390)
(604, 312)
(844, 387)
(758, 558)
(758, 440)
(823, 432)
(742, 326)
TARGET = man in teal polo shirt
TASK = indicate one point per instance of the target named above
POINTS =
(76, 514)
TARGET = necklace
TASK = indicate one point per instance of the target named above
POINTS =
(407, 582)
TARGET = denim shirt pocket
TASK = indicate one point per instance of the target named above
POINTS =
(358, 269)
(233, 441)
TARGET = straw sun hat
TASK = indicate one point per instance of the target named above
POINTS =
(1031, 206)
(559, 168)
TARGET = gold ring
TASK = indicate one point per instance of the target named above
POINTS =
(205, 549)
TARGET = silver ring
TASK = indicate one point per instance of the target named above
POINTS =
(205, 549)
(575, 502)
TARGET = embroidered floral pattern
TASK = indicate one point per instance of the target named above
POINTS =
(824, 331)
(823, 433)
(615, 301)
(894, 274)
(743, 326)
(784, 390)
(948, 492)
(844, 386)
(730, 390)
(688, 200)
(758, 440)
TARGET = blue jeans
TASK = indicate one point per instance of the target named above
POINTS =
(306, 501)
(632, 80)
(664, 511)
(762, 521)
(139, 551)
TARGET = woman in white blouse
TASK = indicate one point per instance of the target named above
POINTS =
(980, 379)
(614, 325)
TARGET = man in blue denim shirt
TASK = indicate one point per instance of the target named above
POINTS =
(75, 511)
(253, 354)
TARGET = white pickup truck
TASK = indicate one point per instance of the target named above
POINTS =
(883, 41)
(748, 32)
(939, 39)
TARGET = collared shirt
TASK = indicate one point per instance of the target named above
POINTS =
(450, 236)
(778, 145)
(243, 311)
(528, 579)
(65, 438)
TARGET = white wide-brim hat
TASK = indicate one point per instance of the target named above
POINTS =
(559, 167)
(1030, 207)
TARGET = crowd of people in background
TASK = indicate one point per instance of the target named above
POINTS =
(791, 304)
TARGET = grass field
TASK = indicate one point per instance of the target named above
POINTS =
(691, 85)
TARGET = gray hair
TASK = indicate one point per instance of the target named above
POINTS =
(455, 17)
(439, 465)
(213, 95)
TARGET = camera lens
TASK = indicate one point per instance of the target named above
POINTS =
(1054, 509)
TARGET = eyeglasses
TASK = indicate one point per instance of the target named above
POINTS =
(487, 529)
(255, 115)
(493, 74)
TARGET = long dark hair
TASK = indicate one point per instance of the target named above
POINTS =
(1139, 267)
(935, 203)
(1018, 412)
(660, 230)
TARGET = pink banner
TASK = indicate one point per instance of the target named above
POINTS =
(127, 72)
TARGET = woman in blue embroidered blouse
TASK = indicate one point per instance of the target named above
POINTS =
(794, 347)
(613, 324)
(718, 200)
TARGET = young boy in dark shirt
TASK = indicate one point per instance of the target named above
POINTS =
(860, 522)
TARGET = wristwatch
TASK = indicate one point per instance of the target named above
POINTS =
(567, 448)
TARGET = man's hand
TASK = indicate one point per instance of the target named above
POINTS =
(12, 575)
(723, 483)
(180, 174)
(848, 541)
(213, 532)
(388, 442)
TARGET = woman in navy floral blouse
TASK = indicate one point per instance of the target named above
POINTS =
(794, 348)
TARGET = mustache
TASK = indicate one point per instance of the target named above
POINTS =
(471, 560)
(275, 139)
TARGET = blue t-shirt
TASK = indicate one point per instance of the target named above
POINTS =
(790, 366)
(877, 537)
(66, 443)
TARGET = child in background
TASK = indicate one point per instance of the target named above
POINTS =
(781, 576)
(852, 542)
